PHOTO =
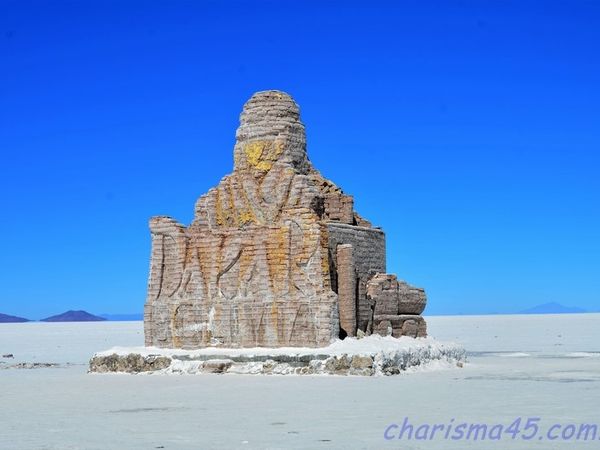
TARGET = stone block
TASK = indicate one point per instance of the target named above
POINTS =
(412, 300)
(216, 365)
(346, 289)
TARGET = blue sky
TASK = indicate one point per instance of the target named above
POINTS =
(470, 131)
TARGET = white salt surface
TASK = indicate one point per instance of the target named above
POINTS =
(519, 366)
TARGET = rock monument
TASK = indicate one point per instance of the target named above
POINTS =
(276, 256)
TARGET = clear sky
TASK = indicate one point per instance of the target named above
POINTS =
(470, 131)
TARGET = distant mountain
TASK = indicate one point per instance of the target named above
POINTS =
(74, 316)
(122, 317)
(5, 318)
(553, 308)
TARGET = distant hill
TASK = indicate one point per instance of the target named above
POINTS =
(553, 308)
(122, 317)
(74, 316)
(5, 318)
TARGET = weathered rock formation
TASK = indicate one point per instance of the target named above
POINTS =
(371, 356)
(275, 256)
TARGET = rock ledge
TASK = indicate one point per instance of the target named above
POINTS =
(370, 356)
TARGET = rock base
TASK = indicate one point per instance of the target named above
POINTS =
(370, 356)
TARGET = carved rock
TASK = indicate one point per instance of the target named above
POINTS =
(258, 264)
(396, 307)
(411, 300)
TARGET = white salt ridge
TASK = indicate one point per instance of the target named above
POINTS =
(584, 355)
(352, 346)
(408, 354)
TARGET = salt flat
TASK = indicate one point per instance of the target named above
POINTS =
(519, 366)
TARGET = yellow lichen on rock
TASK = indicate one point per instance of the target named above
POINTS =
(262, 154)
(246, 217)
(278, 254)
(219, 210)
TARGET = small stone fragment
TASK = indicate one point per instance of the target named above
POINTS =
(216, 365)
(362, 362)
